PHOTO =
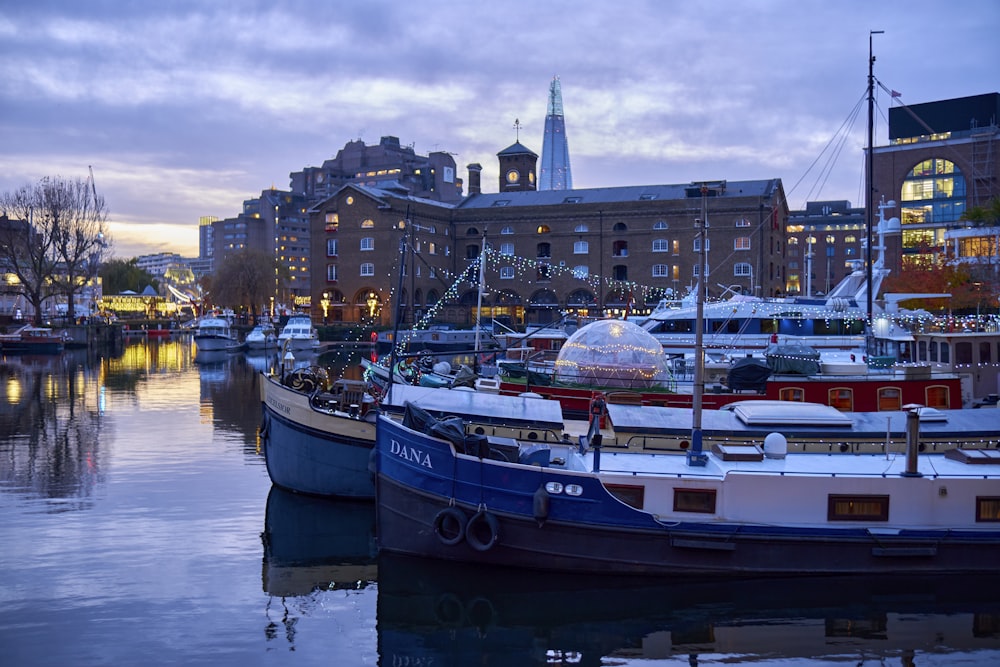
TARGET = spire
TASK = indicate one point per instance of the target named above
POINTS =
(555, 172)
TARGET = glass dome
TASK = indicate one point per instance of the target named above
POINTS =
(613, 353)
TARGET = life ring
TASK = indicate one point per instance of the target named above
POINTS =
(482, 531)
(449, 611)
(449, 525)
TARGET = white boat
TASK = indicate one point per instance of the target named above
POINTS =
(262, 337)
(298, 334)
(214, 334)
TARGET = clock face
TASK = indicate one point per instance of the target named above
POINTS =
(513, 176)
(531, 177)
(350, 200)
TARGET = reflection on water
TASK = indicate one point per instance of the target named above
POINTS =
(439, 613)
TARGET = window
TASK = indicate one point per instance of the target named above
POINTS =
(628, 494)
(543, 250)
(742, 222)
(581, 247)
(506, 273)
(619, 249)
(987, 508)
(660, 271)
(741, 243)
(432, 248)
(697, 244)
(890, 398)
(661, 245)
(542, 229)
(742, 269)
(697, 270)
(619, 272)
(675, 247)
(581, 229)
(331, 247)
(581, 271)
(619, 227)
(543, 273)
(331, 273)
(660, 225)
(507, 249)
(795, 394)
(841, 398)
(367, 243)
(507, 230)
(701, 501)
(368, 269)
(471, 251)
(857, 508)
(937, 397)
(367, 224)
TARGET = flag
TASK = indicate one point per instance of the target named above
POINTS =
(894, 93)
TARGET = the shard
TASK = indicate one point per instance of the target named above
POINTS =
(555, 173)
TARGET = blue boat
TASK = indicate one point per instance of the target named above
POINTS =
(740, 510)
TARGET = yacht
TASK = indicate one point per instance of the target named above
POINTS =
(298, 334)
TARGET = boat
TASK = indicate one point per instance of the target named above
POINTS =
(298, 334)
(30, 339)
(214, 334)
(262, 337)
(734, 510)
(319, 440)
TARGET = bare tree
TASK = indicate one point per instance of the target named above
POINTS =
(245, 278)
(54, 238)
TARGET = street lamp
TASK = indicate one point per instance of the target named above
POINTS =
(325, 303)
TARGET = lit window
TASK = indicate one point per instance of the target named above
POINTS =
(741, 243)
(367, 224)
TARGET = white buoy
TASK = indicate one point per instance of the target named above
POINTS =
(775, 446)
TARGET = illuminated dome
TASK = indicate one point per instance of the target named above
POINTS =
(613, 353)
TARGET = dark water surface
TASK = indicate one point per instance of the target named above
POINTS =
(138, 527)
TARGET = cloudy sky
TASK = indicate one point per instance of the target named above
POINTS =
(187, 108)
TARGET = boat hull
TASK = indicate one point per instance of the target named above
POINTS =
(213, 343)
(312, 452)
(421, 484)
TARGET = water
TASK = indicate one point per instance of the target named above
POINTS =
(138, 527)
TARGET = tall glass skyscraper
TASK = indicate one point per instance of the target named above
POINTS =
(554, 173)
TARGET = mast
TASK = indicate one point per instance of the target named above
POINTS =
(479, 300)
(695, 455)
(869, 178)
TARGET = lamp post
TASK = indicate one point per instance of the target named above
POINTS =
(325, 303)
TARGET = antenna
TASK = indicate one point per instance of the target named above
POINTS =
(517, 129)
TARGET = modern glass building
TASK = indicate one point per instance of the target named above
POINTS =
(554, 172)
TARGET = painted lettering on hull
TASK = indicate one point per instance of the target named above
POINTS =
(411, 454)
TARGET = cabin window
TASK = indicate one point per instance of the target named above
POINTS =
(794, 394)
(857, 508)
(890, 398)
(632, 496)
(694, 500)
(987, 508)
(922, 350)
(963, 353)
(841, 398)
(937, 397)
(984, 353)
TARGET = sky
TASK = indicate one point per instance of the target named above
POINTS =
(185, 109)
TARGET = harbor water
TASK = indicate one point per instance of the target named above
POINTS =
(138, 526)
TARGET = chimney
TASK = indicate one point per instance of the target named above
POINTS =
(475, 171)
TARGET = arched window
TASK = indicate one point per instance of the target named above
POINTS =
(581, 229)
(542, 229)
(367, 224)
(932, 193)
(507, 230)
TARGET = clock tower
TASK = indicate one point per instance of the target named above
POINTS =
(517, 168)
